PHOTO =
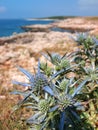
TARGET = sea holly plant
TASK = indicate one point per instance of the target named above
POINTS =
(89, 48)
(88, 55)
(60, 102)
(60, 62)
(52, 103)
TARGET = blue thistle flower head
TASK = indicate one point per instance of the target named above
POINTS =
(36, 81)
(40, 81)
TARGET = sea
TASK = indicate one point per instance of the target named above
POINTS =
(9, 27)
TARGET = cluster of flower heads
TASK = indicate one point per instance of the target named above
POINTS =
(53, 97)
(47, 97)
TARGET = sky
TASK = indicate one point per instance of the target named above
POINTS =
(44, 8)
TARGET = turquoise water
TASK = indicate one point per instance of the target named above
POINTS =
(9, 26)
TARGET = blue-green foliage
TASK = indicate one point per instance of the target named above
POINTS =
(57, 101)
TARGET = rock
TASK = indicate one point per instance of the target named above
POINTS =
(77, 24)
(37, 28)
(1, 41)
(94, 32)
(4, 59)
(2, 97)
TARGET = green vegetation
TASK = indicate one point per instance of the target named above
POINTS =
(59, 17)
(63, 95)
(92, 18)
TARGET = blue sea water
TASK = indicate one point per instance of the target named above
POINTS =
(9, 26)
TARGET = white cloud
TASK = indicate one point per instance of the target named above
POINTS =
(91, 5)
(2, 9)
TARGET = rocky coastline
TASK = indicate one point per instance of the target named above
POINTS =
(71, 24)
(24, 49)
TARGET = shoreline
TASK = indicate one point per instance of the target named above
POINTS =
(13, 26)
(78, 24)
(34, 19)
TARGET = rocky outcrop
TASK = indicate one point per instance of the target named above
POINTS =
(14, 38)
(71, 25)
(37, 28)
(77, 24)
(24, 50)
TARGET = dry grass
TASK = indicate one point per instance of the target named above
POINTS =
(8, 119)
(61, 48)
(92, 18)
